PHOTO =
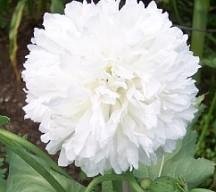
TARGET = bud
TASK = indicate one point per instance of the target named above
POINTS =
(146, 183)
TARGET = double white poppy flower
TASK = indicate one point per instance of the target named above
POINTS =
(110, 88)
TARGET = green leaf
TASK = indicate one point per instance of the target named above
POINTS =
(164, 184)
(194, 171)
(210, 62)
(57, 6)
(145, 183)
(181, 164)
(11, 141)
(3, 13)
(201, 190)
(147, 171)
(3, 5)
(4, 120)
(23, 178)
(20, 150)
(188, 146)
(14, 26)
(2, 172)
(2, 180)
(2, 185)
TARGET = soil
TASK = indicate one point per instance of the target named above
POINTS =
(12, 96)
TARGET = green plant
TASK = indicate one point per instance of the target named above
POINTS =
(14, 26)
(200, 17)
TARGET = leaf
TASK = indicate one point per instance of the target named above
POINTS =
(13, 141)
(57, 6)
(23, 178)
(201, 190)
(2, 185)
(164, 184)
(210, 62)
(181, 164)
(4, 120)
(154, 170)
(147, 171)
(3, 12)
(188, 146)
(14, 26)
(2, 172)
(2, 180)
(194, 171)
(3, 5)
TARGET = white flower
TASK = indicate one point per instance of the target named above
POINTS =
(110, 88)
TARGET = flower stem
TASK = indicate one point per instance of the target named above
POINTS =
(200, 17)
(100, 179)
(205, 123)
(161, 166)
(176, 11)
(128, 177)
(133, 183)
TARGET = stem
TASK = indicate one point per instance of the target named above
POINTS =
(16, 148)
(176, 11)
(117, 185)
(161, 166)
(128, 177)
(200, 16)
(133, 183)
(32, 148)
(101, 179)
(206, 121)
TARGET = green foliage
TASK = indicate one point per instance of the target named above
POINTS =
(201, 190)
(146, 183)
(165, 184)
(4, 120)
(14, 26)
(2, 175)
(210, 61)
(200, 17)
(181, 164)
(57, 6)
(176, 11)
(2, 171)
(205, 122)
(31, 169)
(3, 6)
(23, 178)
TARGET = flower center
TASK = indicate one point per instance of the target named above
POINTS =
(116, 86)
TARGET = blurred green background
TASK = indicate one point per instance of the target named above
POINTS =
(197, 18)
